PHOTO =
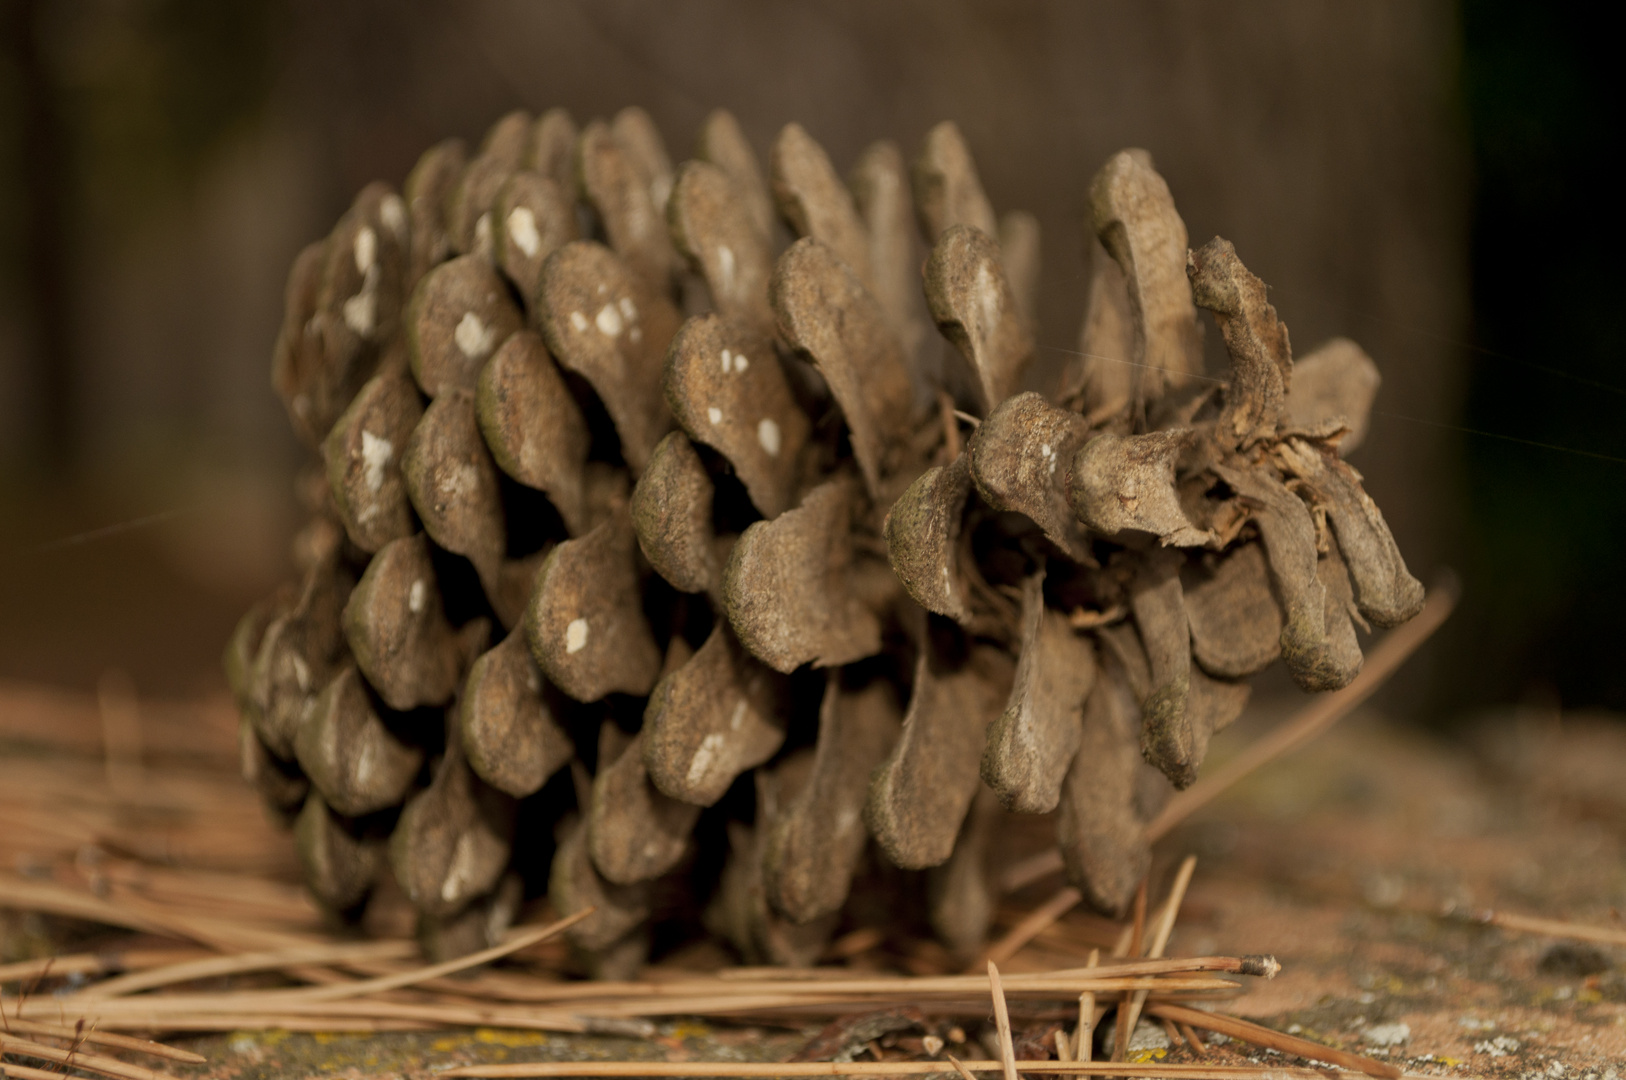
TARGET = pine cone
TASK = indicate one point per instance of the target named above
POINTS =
(561, 530)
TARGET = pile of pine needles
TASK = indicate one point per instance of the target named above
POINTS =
(216, 940)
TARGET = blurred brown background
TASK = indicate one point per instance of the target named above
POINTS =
(161, 161)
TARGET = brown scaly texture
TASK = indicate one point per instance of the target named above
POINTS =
(636, 522)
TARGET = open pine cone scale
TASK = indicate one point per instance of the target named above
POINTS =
(607, 481)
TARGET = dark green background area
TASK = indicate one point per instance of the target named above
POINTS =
(108, 112)
(1541, 89)
(114, 112)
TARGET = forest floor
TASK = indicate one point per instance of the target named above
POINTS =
(1341, 860)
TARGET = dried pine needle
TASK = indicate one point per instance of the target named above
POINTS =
(1532, 924)
(1042, 917)
(1150, 1070)
(100, 1038)
(1237, 1028)
(1160, 941)
(106, 1066)
(242, 963)
(1002, 1019)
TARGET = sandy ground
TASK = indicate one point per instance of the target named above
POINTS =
(1341, 860)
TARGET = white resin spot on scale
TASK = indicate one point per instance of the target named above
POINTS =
(361, 310)
(366, 763)
(392, 211)
(416, 596)
(704, 756)
(473, 337)
(725, 267)
(366, 249)
(987, 299)
(460, 480)
(768, 435)
(522, 231)
(629, 310)
(458, 875)
(578, 322)
(1049, 456)
(576, 636)
(375, 455)
(608, 321)
(714, 414)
